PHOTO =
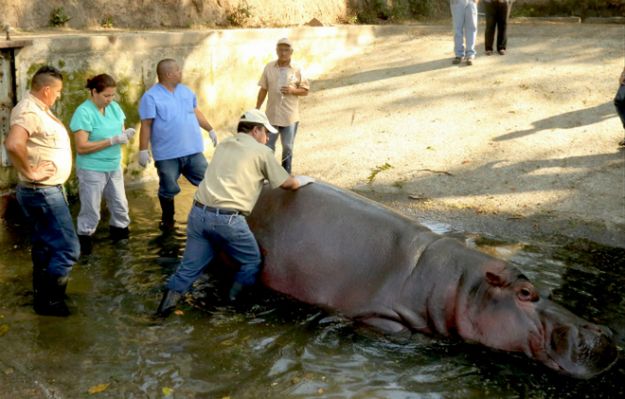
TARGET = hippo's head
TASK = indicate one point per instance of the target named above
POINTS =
(505, 311)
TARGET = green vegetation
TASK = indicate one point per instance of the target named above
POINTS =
(107, 22)
(240, 15)
(58, 17)
(563, 8)
(378, 169)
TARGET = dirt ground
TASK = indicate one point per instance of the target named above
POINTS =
(519, 144)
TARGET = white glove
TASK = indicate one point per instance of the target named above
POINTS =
(144, 158)
(130, 132)
(304, 180)
(119, 139)
(213, 137)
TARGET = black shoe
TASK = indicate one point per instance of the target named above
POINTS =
(621, 143)
(86, 244)
(118, 233)
(50, 296)
(456, 60)
(168, 208)
(168, 303)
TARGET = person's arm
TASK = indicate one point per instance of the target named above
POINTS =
(145, 133)
(296, 182)
(15, 144)
(84, 146)
(202, 120)
(262, 94)
(294, 91)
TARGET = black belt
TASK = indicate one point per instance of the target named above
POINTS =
(219, 211)
(37, 185)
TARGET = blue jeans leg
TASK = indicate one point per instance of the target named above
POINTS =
(287, 139)
(197, 254)
(55, 246)
(458, 18)
(470, 28)
(241, 245)
(192, 167)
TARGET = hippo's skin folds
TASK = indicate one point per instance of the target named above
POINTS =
(340, 251)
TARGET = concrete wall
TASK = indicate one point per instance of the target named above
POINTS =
(221, 66)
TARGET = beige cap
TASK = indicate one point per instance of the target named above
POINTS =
(286, 41)
(258, 116)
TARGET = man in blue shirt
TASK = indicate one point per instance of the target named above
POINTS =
(170, 123)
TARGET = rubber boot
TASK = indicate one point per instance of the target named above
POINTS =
(168, 303)
(167, 219)
(39, 289)
(118, 233)
(235, 291)
(86, 244)
(51, 301)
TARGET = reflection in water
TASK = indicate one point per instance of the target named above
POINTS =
(271, 347)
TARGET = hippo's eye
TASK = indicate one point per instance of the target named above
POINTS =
(527, 294)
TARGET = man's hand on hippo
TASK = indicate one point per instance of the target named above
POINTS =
(304, 180)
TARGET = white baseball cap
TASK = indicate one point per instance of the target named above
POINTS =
(286, 41)
(257, 116)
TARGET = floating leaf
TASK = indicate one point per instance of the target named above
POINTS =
(98, 388)
(167, 391)
(4, 328)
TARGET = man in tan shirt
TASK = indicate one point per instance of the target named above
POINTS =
(230, 188)
(284, 84)
(39, 148)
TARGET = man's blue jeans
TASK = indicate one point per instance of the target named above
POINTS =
(55, 246)
(192, 167)
(464, 18)
(206, 232)
(287, 139)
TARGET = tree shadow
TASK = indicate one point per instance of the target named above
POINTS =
(380, 74)
(567, 120)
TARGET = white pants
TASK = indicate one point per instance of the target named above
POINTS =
(92, 186)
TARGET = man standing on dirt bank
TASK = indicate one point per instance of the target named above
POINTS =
(170, 123)
(464, 18)
(228, 192)
(39, 147)
(284, 84)
(619, 103)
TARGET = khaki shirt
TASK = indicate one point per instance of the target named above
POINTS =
(47, 138)
(234, 177)
(282, 110)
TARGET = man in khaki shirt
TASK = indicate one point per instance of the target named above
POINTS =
(230, 188)
(284, 84)
(40, 150)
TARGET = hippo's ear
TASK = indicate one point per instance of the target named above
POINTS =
(496, 279)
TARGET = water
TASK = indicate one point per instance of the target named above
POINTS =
(274, 348)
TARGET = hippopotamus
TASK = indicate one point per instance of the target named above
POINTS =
(342, 252)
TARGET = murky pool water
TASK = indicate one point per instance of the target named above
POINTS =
(110, 347)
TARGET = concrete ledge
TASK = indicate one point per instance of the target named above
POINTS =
(568, 20)
(15, 43)
(606, 20)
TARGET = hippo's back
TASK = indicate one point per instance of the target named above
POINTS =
(333, 248)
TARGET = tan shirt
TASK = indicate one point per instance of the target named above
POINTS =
(282, 110)
(234, 177)
(48, 139)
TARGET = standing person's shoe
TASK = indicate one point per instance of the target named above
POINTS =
(489, 52)
(167, 219)
(621, 143)
(50, 296)
(502, 51)
(118, 233)
(168, 303)
(470, 61)
(86, 244)
(456, 60)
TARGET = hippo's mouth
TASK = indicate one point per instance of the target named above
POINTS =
(581, 352)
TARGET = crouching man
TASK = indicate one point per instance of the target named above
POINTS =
(230, 188)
